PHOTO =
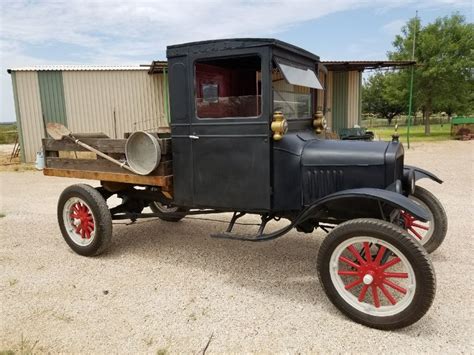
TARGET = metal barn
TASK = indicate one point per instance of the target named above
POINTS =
(112, 100)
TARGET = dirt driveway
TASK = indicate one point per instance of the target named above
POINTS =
(166, 287)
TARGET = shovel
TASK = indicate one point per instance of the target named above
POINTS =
(57, 131)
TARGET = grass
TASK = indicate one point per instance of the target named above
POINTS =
(25, 347)
(8, 133)
(417, 133)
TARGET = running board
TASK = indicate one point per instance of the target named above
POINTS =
(241, 237)
(259, 237)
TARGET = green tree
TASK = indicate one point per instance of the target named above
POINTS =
(445, 58)
(381, 95)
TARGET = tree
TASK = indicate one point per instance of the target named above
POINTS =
(381, 95)
(444, 55)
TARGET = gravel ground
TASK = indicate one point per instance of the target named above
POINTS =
(169, 287)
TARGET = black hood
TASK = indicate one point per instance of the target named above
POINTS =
(329, 166)
(343, 153)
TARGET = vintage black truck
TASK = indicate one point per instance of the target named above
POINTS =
(246, 138)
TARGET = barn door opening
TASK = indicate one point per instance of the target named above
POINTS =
(51, 89)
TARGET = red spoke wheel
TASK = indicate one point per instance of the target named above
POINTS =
(84, 219)
(376, 274)
(430, 234)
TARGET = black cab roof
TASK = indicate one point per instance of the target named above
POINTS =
(235, 43)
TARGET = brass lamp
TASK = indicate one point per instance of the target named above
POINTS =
(319, 122)
(279, 125)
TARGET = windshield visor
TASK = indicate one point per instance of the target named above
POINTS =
(297, 76)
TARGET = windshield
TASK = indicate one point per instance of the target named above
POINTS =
(292, 90)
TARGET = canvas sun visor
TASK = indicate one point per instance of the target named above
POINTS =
(297, 76)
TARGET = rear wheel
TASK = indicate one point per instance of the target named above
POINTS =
(165, 212)
(430, 234)
(84, 220)
(376, 274)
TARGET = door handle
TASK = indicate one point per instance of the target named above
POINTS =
(193, 136)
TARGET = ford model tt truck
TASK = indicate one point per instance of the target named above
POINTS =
(246, 138)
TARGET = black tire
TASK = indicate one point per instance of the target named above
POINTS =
(100, 235)
(440, 219)
(417, 302)
(160, 209)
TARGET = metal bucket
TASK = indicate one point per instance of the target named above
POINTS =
(143, 152)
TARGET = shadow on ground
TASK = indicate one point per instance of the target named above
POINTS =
(285, 267)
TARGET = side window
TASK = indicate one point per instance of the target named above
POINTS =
(228, 87)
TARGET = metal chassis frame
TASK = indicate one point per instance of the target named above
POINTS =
(313, 211)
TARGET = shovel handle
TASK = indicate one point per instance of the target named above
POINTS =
(103, 155)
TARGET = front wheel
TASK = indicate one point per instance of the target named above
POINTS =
(430, 234)
(376, 274)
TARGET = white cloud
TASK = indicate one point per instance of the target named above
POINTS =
(393, 27)
(134, 32)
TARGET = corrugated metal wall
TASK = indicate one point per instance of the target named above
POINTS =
(353, 99)
(92, 98)
(329, 93)
(18, 115)
(85, 101)
(320, 93)
(29, 105)
(344, 89)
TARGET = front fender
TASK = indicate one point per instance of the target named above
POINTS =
(422, 173)
(391, 198)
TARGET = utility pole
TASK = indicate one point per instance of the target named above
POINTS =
(410, 103)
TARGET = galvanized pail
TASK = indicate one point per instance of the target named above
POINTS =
(143, 152)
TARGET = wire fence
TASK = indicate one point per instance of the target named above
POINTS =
(371, 121)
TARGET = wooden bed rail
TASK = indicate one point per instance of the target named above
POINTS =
(66, 159)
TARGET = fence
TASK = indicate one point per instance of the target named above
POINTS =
(370, 121)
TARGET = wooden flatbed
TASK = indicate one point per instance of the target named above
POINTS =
(64, 158)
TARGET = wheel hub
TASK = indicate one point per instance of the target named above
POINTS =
(372, 272)
(82, 220)
(368, 279)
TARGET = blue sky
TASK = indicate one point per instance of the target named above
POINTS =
(124, 32)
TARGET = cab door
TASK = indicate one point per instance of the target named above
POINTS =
(229, 132)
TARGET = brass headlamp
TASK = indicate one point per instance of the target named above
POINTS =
(319, 122)
(279, 125)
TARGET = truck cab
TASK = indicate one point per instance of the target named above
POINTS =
(248, 133)
(223, 95)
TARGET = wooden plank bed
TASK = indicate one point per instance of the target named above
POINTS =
(64, 158)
